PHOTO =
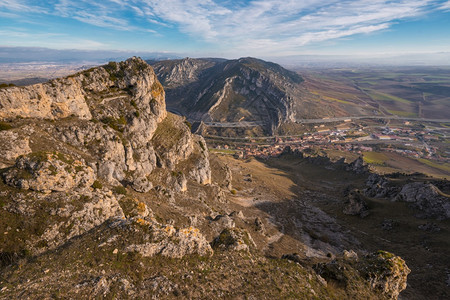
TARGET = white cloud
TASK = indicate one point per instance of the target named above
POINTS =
(285, 25)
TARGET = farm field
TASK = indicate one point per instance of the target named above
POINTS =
(417, 92)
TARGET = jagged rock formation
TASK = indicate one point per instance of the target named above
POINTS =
(386, 273)
(426, 197)
(47, 172)
(173, 243)
(246, 89)
(233, 239)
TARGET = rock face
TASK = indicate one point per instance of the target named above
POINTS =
(56, 99)
(126, 144)
(13, 146)
(379, 187)
(171, 242)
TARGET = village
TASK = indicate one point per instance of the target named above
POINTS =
(406, 140)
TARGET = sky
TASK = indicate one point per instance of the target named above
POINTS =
(230, 29)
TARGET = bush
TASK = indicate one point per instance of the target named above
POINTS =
(121, 190)
(5, 126)
(97, 185)
(6, 85)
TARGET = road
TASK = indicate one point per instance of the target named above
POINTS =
(235, 124)
(342, 119)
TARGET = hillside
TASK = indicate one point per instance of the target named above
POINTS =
(104, 194)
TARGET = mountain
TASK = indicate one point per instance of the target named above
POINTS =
(104, 194)
(246, 89)
(251, 90)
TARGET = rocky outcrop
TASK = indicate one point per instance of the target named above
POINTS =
(386, 272)
(427, 198)
(201, 171)
(234, 239)
(355, 205)
(47, 172)
(76, 143)
(170, 242)
(379, 187)
(14, 144)
(129, 133)
(50, 220)
(53, 100)
(358, 166)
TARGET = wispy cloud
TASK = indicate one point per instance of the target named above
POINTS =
(20, 5)
(285, 25)
(282, 24)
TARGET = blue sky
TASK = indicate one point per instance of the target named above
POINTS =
(231, 29)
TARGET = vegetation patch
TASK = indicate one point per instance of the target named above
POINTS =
(97, 185)
(375, 158)
(5, 126)
(116, 124)
(121, 190)
(6, 85)
(441, 166)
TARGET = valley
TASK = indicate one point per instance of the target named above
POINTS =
(392, 111)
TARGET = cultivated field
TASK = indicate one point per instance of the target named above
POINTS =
(406, 92)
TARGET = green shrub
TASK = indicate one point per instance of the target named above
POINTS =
(5, 126)
(97, 185)
(6, 85)
(121, 190)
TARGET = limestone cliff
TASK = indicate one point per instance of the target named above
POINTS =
(110, 114)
